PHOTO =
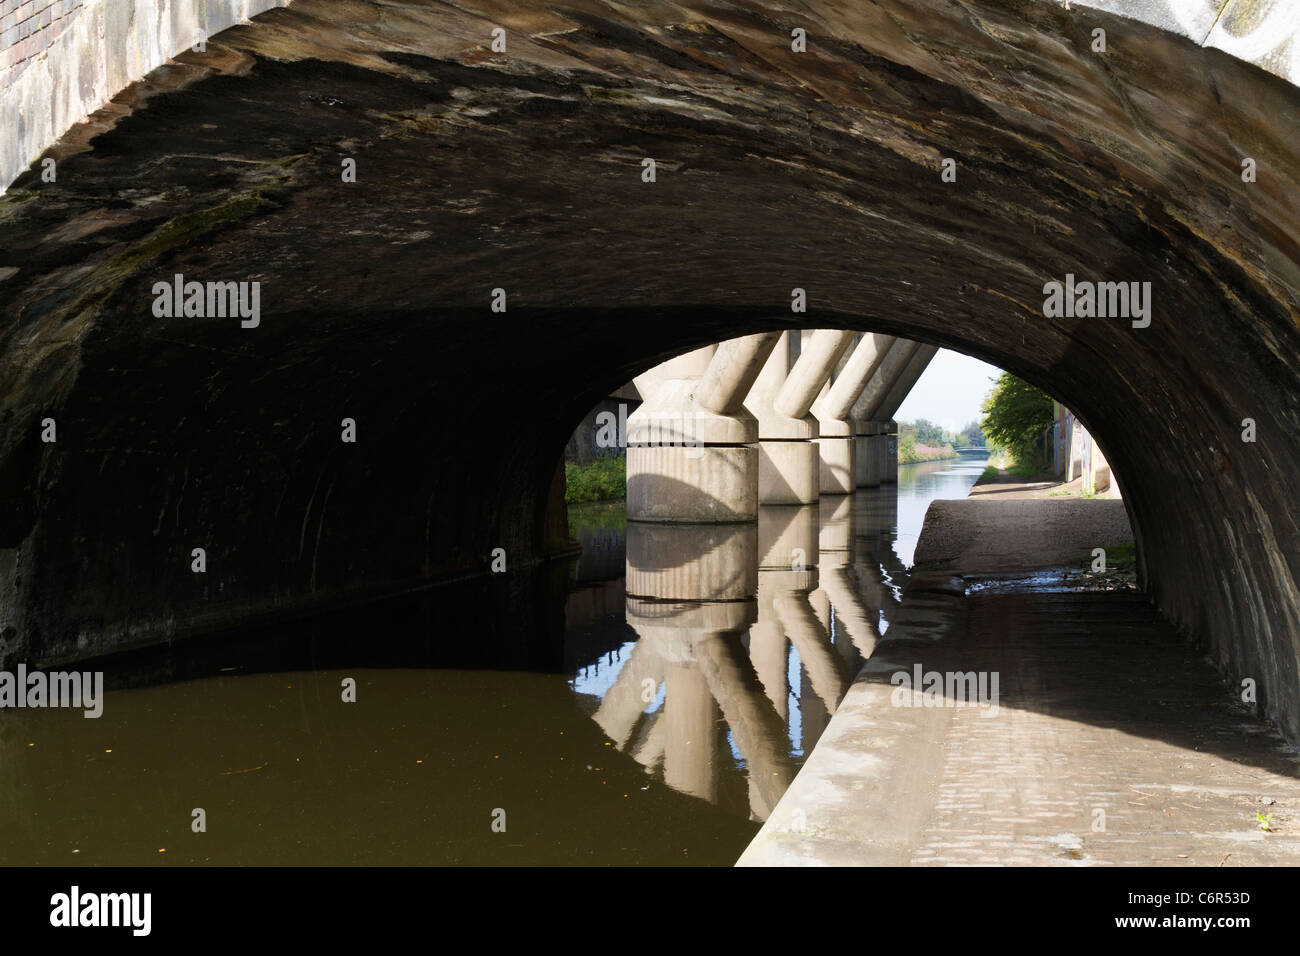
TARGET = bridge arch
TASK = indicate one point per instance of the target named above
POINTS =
(775, 170)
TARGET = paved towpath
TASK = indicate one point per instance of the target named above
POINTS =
(1114, 742)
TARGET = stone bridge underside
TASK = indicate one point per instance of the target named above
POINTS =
(522, 170)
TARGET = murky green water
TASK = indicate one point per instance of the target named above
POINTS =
(646, 705)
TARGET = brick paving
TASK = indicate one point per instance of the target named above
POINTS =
(1114, 743)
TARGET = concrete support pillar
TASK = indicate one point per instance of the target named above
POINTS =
(732, 371)
(691, 366)
(785, 451)
(836, 443)
(889, 449)
(873, 442)
(816, 362)
(888, 374)
(781, 399)
(692, 451)
(901, 388)
(907, 381)
(873, 435)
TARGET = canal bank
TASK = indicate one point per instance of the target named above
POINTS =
(1110, 740)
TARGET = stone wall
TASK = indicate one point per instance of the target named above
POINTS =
(61, 60)
(30, 27)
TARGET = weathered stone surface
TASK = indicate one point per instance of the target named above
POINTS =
(522, 171)
(69, 59)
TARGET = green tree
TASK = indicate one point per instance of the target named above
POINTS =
(928, 433)
(1015, 416)
(972, 436)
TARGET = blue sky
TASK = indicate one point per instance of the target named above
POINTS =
(950, 391)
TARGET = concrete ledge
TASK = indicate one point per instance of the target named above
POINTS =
(863, 797)
(990, 536)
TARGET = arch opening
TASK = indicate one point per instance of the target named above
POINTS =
(774, 172)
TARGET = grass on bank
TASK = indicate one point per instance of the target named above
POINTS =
(604, 479)
(1026, 470)
(1002, 461)
(1122, 558)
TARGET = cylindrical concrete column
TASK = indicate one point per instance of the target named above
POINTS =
(732, 371)
(788, 464)
(873, 440)
(836, 444)
(891, 453)
(867, 465)
(692, 448)
(857, 373)
(867, 407)
(810, 372)
(907, 381)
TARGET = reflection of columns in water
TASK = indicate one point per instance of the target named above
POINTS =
(837, 539)
(758, 731)
(783, 394)
(821, 605)
(785, 532)
(690, 733)
(874, 555)
(814, 712)
(623, 704)
(877, 521)
(649, 750)
(691, 596)
(829, 674)
(767, 649)
(787, 564)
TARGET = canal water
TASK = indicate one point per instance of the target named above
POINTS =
(645, 704)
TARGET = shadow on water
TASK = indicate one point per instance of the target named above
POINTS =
(647, 703)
